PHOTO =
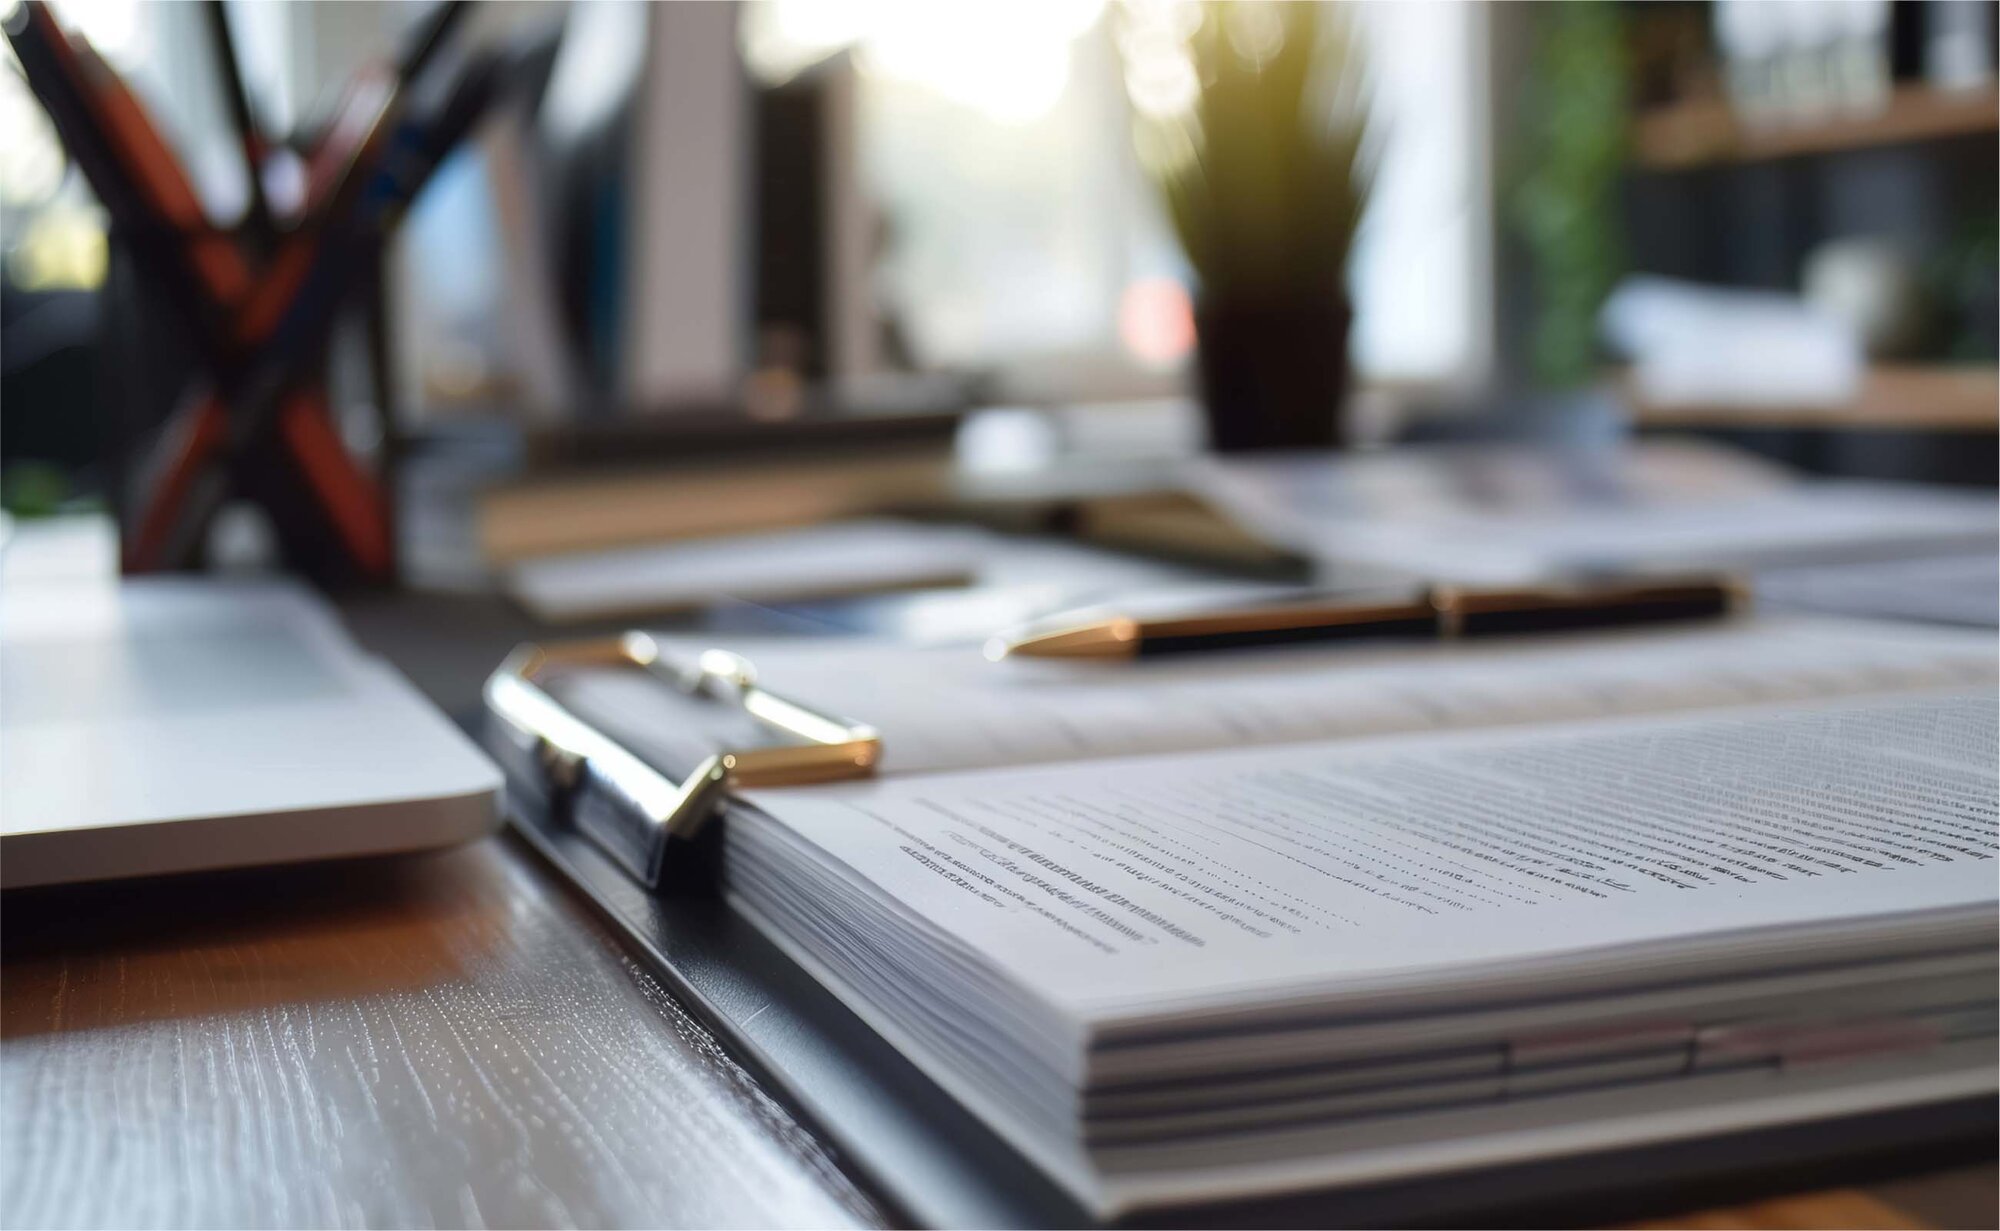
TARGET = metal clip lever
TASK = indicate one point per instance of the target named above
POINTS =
(629, 807)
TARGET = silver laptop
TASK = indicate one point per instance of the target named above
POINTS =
(170, 725)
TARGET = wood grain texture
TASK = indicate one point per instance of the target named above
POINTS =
(445, 1041)
(1909, 397)
(442, 1041)
(1705, 132)
(1842, 1207)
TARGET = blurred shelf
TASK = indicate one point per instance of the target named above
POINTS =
(1893, 397)
(1707, 132)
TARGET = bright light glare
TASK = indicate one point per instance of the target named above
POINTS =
(1156, 322)
(31, 161)
(603, 52)
(1008, 61)
(115, 28)
(1255, 31)
(63, 248)
(1159, 74)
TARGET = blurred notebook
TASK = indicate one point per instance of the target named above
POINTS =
(171, 725)
(1191, 931)
(1501, 515)
(868, 556)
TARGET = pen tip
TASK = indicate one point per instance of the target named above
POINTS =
(1114, 638)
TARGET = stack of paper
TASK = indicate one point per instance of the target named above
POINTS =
(1166, 979)
(1321, 918)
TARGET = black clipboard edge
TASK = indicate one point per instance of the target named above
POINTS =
(907, 1142)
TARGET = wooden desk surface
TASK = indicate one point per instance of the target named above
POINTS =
(442, 1041)
(449, 1040)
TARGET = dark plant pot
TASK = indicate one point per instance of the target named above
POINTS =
(1274, 373)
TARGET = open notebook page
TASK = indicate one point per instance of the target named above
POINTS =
(1133, 889)
(948, 708)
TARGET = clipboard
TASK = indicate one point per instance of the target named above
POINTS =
(638, 843)
(639, 846)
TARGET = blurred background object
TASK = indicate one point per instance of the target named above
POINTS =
(228, 324)
(706, 237)
(1570, 151)
(1818, 151)
(1253, 125)
(1871, 286)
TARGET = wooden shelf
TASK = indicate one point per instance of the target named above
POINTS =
(1707, 132)
(1893, 397)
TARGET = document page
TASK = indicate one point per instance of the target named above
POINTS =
(1960, 588)
(949, 708)
(1124, 888)
(864, 556)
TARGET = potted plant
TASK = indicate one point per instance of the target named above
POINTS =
(1260, 162)
(1564, 203)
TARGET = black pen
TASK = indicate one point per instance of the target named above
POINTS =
(1439, 612)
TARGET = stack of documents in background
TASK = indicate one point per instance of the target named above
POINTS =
(1336, 916)
(1961, 587)
(864, 556)
(1501, 516)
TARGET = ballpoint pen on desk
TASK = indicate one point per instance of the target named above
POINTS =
(1435, 613)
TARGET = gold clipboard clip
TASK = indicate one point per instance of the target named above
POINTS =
(632, 809)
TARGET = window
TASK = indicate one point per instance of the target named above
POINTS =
(1021, 236)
